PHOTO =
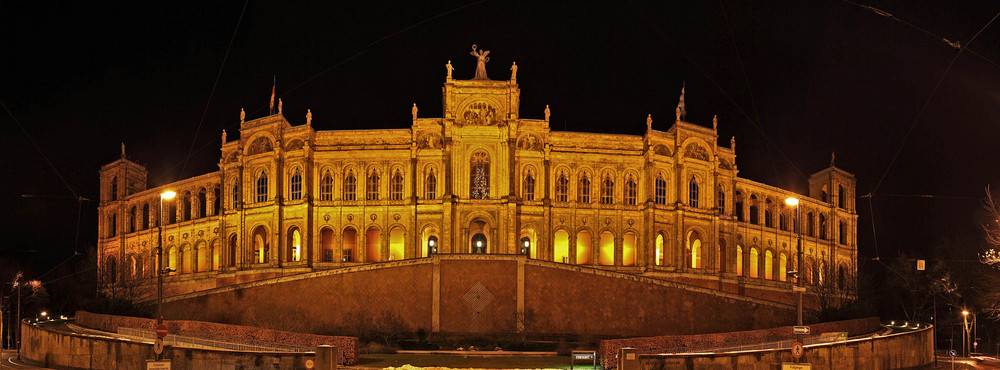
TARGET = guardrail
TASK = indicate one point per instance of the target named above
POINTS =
(783, 344)
(202, 343)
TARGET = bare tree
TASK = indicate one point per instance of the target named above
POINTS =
(991, 256)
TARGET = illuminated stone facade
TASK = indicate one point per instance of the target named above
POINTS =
(289, 199)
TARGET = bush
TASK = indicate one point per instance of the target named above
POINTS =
(385, 328)
(104, 304)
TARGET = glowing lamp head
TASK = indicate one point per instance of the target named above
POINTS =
(168, 195)
(479, 244)
(44, 313)
(527, 243)
(792, 202)
(965, 312)
(431, 242)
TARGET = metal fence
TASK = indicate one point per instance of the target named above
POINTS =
(237, 344)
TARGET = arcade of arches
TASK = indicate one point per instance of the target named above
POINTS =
(482, 179)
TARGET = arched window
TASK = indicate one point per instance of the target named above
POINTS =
(216, 200)
(232, 250)
(349, 244)
(350, 186)
(754, 210)
(529, 186)
(720, 200)
(145, 216)
(583, 193)
(326, 238)
(373, 244)
(113, 226)
(261, 247)
(754, 258)
(431, 186)
(822, 226)
(560, 246)
(659, 250)
(840, 277)
(810, 230)
(131, 220)
(661, 190)
(738, 204)
(739, 260)
(720, 263)
(782, 220)
(606, 249)
(782, 266)
(114, 188)
(202, 203)
(628, 248)
(768, 213)
(583, 248)
(372, 185)
(479, 175)
(236, 196)
(694, 248)
(396, 186)
(397, 240)
(607, 190)
(562, 188)
(295, 185)
(262, 187)
(186, 259)
(326, 187)
(693, 192)
(630, 191)
(841, 200)
(186, 204)
(842, 230)
(768, 265)
(172, 211)
(823, 196)
(294, 246)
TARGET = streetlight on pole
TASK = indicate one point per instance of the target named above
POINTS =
(798, 269)
(168, 195)
(965, 329)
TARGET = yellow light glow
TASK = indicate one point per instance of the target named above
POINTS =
(168, 195)
(45, 313)
(965, 313)
(792, 201)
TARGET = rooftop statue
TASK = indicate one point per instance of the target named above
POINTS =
(482, 59)
(309, 116)
(449, 68)
(414, 111)
(649, 122)
(243, 115)
(547, 112)
(513, 72)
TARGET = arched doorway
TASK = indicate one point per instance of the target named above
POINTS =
(478, 244)
(260, 245)
(525, 244)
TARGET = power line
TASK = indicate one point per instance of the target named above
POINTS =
(214, 84)
(40, 151)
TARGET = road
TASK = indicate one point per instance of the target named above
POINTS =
(10, 361)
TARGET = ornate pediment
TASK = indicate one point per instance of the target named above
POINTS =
(260, 145)
(480, 113)
(429, 141)
(696, 151)
(529, 142)
(661, 150)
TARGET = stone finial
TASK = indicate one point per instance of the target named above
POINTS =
(414, 111)
(309, 116)
(649, 122)
(280, 104)
(223, 136)
(833, 158)
(547, 113)
(732, 143)
(449, 68)
(243, 115)
(123, 149)
(681, 110)
(513, 72)
(715, 122)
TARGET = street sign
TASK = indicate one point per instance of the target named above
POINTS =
(921, 264)
(802, 366)
(952, 353)
(797, 350)
(158, 346)
(801, 330)
(157, 364)
(310, 364)
(798, 289)
(161, 330)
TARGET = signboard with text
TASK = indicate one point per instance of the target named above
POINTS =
(157, 364)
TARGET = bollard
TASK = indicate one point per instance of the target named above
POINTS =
(326, 357)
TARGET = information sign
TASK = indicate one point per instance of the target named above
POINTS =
(801, 330)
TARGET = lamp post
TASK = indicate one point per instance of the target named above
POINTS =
(798, 269)
(965, 336)
(168, 195)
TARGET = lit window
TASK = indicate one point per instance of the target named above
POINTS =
(630, 191)
(584, 190)
(822, 226)
(479, 176)
(562, 187)
(295, 185)
(236, 196)
(114, 188)
(738, 198)
(529, 187)
(840, 197)
(768, 213)
(262, 187)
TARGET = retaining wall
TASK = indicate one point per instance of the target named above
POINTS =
(53, 349)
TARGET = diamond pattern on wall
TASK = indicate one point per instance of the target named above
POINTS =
(478, 297)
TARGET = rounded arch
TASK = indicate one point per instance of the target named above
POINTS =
(349, 244)
(560, 245)
(782, 266)
(326, 243)
(261, 244)
(233, 246)
(696, 148)
(739, 260)
(294, 245)
(529, 235)
(216, 255)
(373, 243)
(606, 248)
(479, 173)
(480, 233)
(754, 262)
(768, 264)
(187, 258)
(261, 142)
(397, 242)
(660, 252)
(630, 239)
(171, 257)
(584, 246)
(202, 256)
(429, 239)
(694, 246)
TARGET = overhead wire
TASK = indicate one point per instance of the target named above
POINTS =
(317, 75)
(760, 129)
(40, 151)
(214, 85)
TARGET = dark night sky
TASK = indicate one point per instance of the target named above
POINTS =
(823, 76)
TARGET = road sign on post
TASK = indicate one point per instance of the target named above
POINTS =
(158, 346)
(161, 330)
(797, 350)
(801, 330)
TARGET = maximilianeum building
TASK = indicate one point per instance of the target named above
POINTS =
(288, 199)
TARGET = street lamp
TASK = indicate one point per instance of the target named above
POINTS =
(965, 329)
(168, 195)
(794, 202)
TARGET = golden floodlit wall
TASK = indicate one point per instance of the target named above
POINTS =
(289, 199)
